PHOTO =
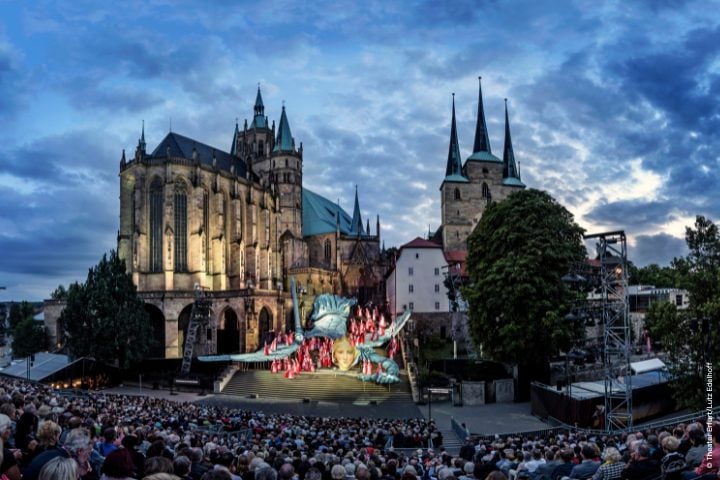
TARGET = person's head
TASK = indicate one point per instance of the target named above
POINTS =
(642, 451)
(5, 427)
(118, 464)
(670, 444)
(566, 455)
(78, 444)
(337, 472)
(265, 472)
(181, 466)
(496, 475)
(158, 465)
(48, 433)
(612, 455)
(588, 452)
(59, 468)
(286, 471)
(344, 353)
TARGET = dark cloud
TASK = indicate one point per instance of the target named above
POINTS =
(631, 214)
(660, 249)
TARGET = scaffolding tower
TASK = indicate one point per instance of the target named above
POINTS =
(199, 315)
(612, 255)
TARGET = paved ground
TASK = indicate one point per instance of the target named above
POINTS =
(484, 419)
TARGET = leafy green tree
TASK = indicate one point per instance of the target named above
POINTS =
(653, 274)
(517, 255)
(29, 337)
(19, 312)
(691, 339)
(104, 318)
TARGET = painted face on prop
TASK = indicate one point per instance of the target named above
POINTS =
(344, 354)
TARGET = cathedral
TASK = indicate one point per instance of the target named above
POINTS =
(236, 225)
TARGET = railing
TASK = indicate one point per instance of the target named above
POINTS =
(461, 431)
(560, 427)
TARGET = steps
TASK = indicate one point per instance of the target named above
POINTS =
(321, 386)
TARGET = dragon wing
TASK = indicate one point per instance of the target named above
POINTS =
(394, 329)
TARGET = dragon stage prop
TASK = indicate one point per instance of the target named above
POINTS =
(333, 338)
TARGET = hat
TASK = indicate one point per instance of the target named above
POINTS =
(118, 464)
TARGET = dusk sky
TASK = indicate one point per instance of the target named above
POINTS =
(614, 109)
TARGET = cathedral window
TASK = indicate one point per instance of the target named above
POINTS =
(261, 148)
(328, 251)
(206, 229)
(180, 227)
(457, 194)
(156, 220)
(286, 162)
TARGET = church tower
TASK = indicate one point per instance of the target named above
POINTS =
(255, 142)
(454, 191)
(286, 171)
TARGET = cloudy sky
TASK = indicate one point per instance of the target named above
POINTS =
(614, 107)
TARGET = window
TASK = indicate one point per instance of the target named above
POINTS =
(411, 271)
(437, 287)
(261, 148)
(328, 251)
(156, 233)
(437, 305)
(457, 194)
(437, 271)
(411, 288)
(678, 300)
(286, 162)
(180, 227)
(486, 192)
(417, 255)
(206, 229)
(412, 306)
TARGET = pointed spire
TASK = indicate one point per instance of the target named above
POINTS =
(509, 166)
(367, 225)
(454, 163)
(259, 107)
(356, 226)
(259, 120)
(284, 141)
(233, 148)
(377, 226)
(482, 140)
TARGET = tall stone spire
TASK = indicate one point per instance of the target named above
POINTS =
(259, 121)
(233, 148)
(482, 140)
(284, 141)
(511, 175)
(453, 171)
(356, 226)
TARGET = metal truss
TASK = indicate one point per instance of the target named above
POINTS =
(612, 255)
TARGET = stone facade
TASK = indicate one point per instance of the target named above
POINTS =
(232, 224)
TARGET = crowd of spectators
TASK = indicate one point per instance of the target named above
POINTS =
(49, 436)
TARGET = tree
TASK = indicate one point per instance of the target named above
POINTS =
(517, 254)
(653, 274)
(104, 318)
(19, 312)
(691, 339)
(29, 337)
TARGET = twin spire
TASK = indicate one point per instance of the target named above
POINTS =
(481, 148)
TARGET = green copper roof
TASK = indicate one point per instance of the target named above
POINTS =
(510, 171)
(456, 179)
(284, 141)
(484, 157)
(482, 140)
(320, 215)
(454, 162)
(513, 182)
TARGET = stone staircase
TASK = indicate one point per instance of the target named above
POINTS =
(321, 386)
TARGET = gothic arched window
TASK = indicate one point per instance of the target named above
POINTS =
(156, 220)
(486, 192)
(457, 194)
(328, 251)
(180, 227)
